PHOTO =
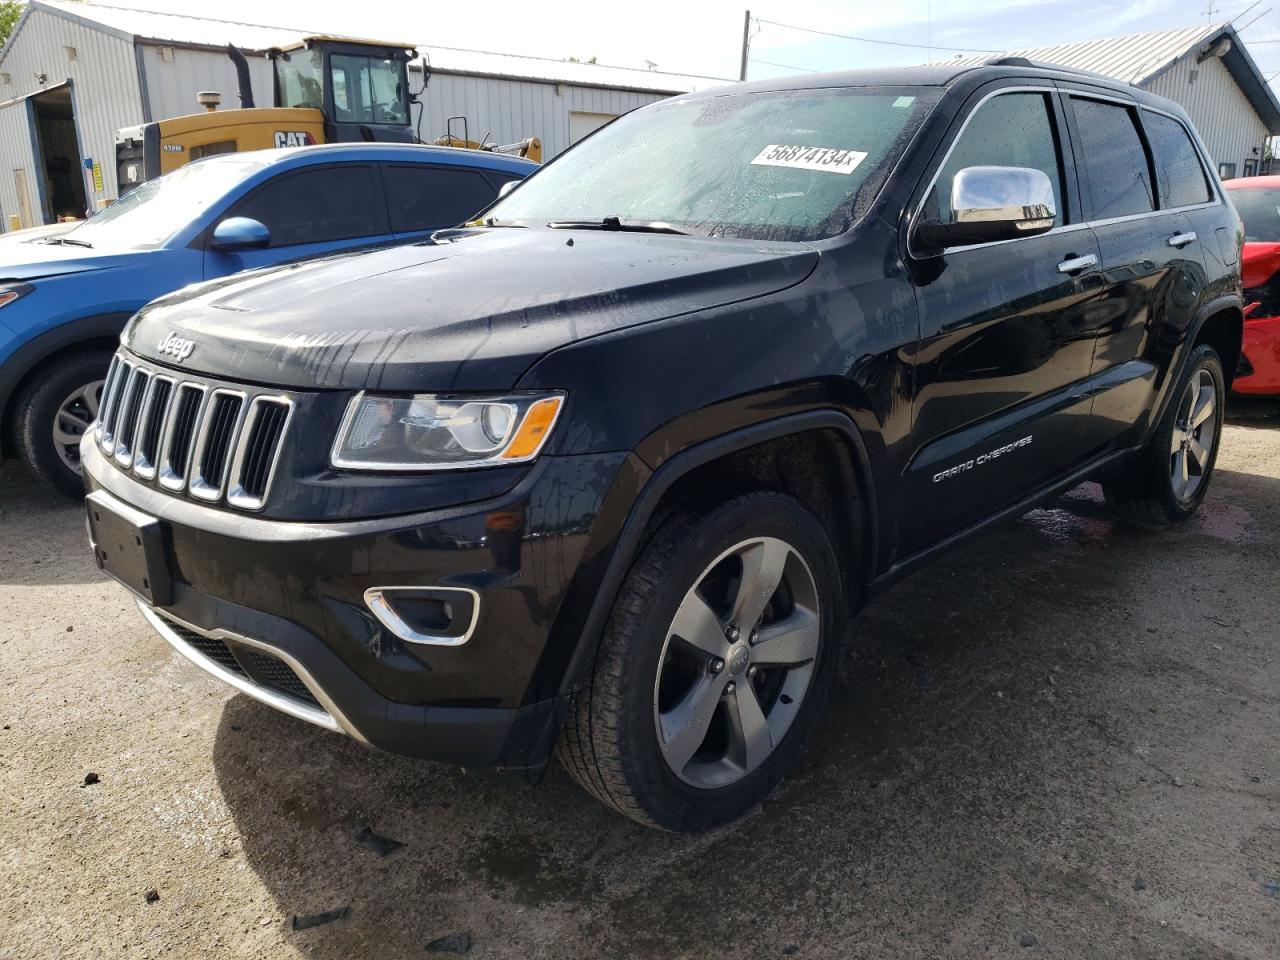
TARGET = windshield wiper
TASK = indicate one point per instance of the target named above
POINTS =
(616, 223)
(69, 241)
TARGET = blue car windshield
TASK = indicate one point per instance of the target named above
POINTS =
(154, 211)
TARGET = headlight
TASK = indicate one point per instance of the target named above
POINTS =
(431, 432)
(10, 292)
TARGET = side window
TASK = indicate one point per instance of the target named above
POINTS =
(318, 205)
(1009, 130)
(1112, 151)
(1178, 170)
(422, 197)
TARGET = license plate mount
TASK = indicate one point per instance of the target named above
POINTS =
(128, 546)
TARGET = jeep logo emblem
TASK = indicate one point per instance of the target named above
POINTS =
(176, 347)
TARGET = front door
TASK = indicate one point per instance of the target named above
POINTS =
(1006, 340)
(309, 212)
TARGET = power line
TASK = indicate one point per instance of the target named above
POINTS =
(784, 66)
(1254, 20)
(887, 43)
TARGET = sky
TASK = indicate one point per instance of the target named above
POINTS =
(704, 37)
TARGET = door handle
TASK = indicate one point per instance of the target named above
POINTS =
(1182, 239)
(1076, 264)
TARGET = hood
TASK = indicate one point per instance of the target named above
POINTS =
(1259, 263)
(35, 259)
(470, 309)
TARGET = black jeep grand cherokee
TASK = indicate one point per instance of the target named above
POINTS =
(606, 473)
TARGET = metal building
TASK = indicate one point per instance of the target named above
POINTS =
(1204, 68)
(71, 74)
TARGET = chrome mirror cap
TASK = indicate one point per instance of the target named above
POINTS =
(990, 204)
(1019, 196)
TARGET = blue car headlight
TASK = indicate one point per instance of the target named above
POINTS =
(10, 292)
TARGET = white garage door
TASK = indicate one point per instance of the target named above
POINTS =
(581, 124)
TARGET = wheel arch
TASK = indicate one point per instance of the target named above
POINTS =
(676, 481)
(1221, 325)
(99, 332)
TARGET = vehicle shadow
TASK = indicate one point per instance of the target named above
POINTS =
(1249, 411)
(42, 534)
(990, 757)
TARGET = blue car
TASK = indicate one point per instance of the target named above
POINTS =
(65, 298)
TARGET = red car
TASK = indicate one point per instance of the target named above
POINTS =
(1257, 200)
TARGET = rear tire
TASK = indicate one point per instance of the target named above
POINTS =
(56, 407)
(1167, 483)
(690, 716)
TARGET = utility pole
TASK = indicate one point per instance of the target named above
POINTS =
(746, 43)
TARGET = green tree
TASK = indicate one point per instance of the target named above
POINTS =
(10, 11)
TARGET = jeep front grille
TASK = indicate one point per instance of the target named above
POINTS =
(207, 440)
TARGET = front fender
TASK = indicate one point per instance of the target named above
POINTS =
(43, 347)
(632, 502)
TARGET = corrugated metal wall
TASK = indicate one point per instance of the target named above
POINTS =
(173, 77)
(1227, 122)
(105, 92)
(15, 135)
(510, 110)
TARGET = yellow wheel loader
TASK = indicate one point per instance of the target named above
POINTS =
(326, 90)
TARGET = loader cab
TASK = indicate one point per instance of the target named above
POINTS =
(361, 88)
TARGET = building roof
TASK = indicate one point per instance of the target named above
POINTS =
(135, 25)
(1141, 57)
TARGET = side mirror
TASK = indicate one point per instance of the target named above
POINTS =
(993, 203)
(240, 233)
(507, 188)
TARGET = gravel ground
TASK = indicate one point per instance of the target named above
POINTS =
(1060, 740)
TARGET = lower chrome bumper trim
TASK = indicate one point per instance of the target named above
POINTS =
(330, 717)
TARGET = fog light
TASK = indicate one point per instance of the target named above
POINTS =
(436, 616)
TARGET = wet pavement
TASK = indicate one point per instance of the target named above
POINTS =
(1060, 740)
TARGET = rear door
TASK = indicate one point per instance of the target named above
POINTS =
(424, 197)
(1005, 329)
(311, 211)
(1151, 255)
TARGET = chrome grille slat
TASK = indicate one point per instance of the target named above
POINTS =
(155, 410)
(175, 456)
(253, 467)
(221, 421)
(135, 390)
(108, 385)
(111, 410)
(193, 437)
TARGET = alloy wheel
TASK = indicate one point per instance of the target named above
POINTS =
(737, 662)
(74, 416)
(1195, 431)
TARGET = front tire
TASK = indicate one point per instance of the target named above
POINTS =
(1169, 481)
(54, 411)
(713, 668)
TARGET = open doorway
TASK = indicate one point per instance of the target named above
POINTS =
(58, 155)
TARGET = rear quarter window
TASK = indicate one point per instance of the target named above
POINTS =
(1181, 175)
(422, 197)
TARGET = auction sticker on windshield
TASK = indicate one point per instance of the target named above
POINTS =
(828, 159)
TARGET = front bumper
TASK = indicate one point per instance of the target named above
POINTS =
(1261, 349)
(278, 610)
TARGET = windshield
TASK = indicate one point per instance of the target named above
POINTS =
(1259, 208)
(150, 214)
(783, 165)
